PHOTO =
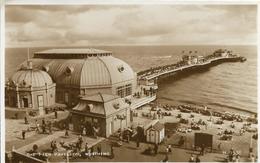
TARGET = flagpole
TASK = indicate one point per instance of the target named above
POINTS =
(28, 54)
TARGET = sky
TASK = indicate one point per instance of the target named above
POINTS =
(85, 25)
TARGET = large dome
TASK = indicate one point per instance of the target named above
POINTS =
(31, 77)
(91, 72)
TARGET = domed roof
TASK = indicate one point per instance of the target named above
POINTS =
(86, 73)
(31, 77)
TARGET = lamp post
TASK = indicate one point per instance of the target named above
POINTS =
(250, 147)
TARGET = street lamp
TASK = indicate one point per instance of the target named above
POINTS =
(250, 147)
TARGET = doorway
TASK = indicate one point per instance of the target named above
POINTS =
(25, 102)
(111, 128)
(40, 104)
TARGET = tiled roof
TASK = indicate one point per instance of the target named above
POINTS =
(106, 108)
(157, 126)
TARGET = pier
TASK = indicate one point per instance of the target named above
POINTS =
(189, 62)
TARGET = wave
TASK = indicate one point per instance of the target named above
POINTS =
(224, 106)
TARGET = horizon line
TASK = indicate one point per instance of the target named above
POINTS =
(59, 46)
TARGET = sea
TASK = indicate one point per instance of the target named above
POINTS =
(226, 87)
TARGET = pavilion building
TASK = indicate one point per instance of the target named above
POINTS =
(30, 89)
(80, 72)
(64, 76)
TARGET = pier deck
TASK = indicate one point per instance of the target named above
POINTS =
(171, 69)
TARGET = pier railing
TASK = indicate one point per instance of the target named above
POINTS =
(156, 72)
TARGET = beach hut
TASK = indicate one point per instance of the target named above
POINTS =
(155, 134)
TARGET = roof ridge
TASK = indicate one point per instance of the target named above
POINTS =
(81, 69)
(106, 68)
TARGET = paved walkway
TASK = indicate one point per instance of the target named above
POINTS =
(138, 102)
(42, 141)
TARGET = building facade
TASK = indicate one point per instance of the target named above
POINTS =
(156, 133)
(100, 114)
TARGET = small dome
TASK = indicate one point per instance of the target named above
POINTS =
(31, 77)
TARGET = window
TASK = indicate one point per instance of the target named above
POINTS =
(128, 89)
(125, 90)
(120, 91)
(95, 120)
(66, 97)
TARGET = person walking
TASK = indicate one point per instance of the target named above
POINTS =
(56, 114)
(23, 134)
(26, 120)
(55, 146)
(166, 158)
(50, 127)
(66, 133)
(43, 122)
(37, 127)
(43, 128)
(128, 137)
(192, 158)
(197, 159)
(84, 131)
(219, 146)
(137, 143)
(112, 152)
(52, 146)
(169, 148)
(155, 148)
(80, 140)
(87, 151)
(202, 149)
(99, 149)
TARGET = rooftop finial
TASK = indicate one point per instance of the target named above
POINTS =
(28, 54)
(29, 63)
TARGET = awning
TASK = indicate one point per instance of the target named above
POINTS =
(80, 107)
